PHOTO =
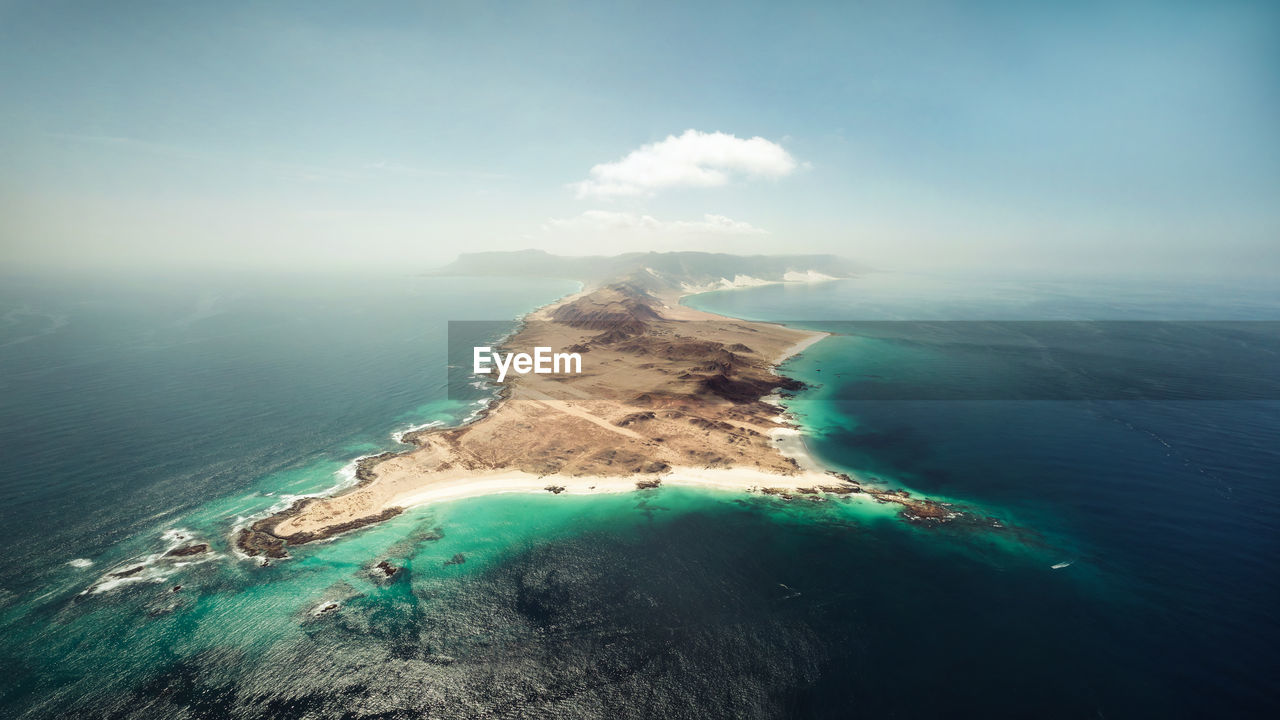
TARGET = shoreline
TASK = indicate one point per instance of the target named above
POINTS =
(817, 337)
(743, 441)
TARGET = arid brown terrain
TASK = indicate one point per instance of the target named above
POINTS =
(664, 390)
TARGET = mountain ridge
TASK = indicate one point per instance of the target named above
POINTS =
(656, 270)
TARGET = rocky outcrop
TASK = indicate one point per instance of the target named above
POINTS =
(364, 468)
(634, 418)
(260, 538)
(743, 390)
(255, 540)
(188, 550)
(621, 309)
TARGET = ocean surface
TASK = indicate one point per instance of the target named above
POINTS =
(138, 414)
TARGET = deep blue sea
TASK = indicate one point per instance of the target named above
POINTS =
(137, 410)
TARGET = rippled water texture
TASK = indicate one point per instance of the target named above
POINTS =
(186, 407)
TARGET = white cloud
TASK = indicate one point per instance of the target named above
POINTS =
(606, 221)
(694, 159)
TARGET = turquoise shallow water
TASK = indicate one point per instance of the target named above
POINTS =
(135, 409)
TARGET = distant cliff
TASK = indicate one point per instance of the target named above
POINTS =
(653, 270)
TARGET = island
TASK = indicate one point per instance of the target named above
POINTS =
(667, 395)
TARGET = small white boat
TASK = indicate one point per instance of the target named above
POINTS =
(1059, 566)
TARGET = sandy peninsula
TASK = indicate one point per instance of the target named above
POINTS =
(667, 395)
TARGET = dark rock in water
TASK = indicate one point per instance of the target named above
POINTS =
(555, 489)
(647, 484)
(927, 513)
(127, 573)
(175, 588)
(456, 560)
(387, 568)
(260, 542)
(265, 563)
(328, 608)
(188, 550)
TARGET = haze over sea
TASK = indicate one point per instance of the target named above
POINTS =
(131, 413)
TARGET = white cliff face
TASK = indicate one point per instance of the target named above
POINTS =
(747, 281)
(808, 276)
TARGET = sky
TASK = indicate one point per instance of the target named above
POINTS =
(1103, 136)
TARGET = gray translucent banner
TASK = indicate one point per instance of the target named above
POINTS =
(997, 360)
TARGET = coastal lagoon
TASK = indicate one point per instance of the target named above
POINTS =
(135, 421)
